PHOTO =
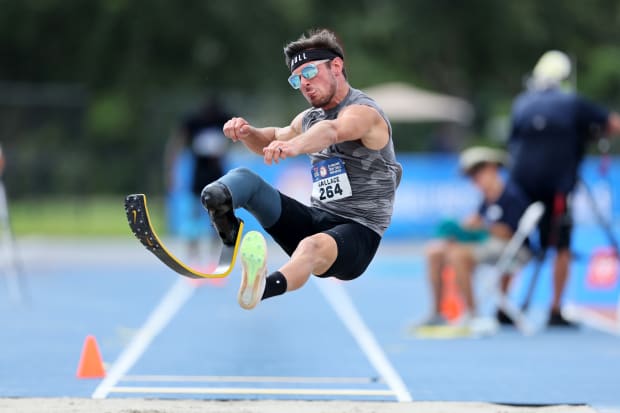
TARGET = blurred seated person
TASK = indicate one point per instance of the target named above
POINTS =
(479, 239)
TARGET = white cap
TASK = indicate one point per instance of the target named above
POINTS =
(552, 68)
(477, 155)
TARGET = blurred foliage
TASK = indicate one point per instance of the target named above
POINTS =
(91, 89)
(78, 216)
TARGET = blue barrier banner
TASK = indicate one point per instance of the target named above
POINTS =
(431, 190)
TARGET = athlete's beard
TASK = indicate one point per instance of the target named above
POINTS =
(332, 92)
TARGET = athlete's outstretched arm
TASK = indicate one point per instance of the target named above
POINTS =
(356, 122)
(255, 139)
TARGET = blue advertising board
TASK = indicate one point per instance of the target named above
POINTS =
(431, 189)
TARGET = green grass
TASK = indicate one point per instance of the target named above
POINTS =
(74, 216)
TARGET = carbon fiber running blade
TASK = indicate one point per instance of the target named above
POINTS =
(141, 226)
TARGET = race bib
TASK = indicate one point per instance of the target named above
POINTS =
(330, 181)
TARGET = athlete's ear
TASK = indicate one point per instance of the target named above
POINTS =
(337, 65)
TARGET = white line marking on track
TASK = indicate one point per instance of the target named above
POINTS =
(241, 390)
(180, 292)
(342, 304)
(591, 318)
(249, 379)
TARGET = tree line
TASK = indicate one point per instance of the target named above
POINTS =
(90, 90)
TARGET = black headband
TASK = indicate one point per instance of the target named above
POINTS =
(310, 55)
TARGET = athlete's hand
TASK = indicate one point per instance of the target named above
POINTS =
(278, 150)
(238, 129)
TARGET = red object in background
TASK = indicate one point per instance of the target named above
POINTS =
(451, 302)
(603, 270)
(91, 364)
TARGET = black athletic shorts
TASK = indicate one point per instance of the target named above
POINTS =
(356, 243)
(556, 224)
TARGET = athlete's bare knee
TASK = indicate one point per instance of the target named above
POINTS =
(309, 246)
(459, 254)
(320, 249)
(435, 250)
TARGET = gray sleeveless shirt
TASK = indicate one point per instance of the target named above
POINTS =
(373, 174)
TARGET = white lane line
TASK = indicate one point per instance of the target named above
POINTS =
(248, 379)
(591, 318)
(246, 391)
(342, 304)
(180, 292)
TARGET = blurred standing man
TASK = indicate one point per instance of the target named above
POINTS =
(200, 134)
(1, 162)
(551, 127)
(353, 167)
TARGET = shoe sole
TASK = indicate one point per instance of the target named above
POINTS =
(254, 261)
(447, 331)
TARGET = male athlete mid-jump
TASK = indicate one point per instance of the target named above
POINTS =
(354, 172)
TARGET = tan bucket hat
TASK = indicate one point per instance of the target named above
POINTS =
(477, 155)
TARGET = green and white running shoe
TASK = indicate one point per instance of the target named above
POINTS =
(254, 269)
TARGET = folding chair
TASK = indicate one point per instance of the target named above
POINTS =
(527, 224)
(490, 286)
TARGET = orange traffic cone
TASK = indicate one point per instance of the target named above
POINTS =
(451, 302)
(91, 365)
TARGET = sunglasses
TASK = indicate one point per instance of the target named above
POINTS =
(308, 72)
